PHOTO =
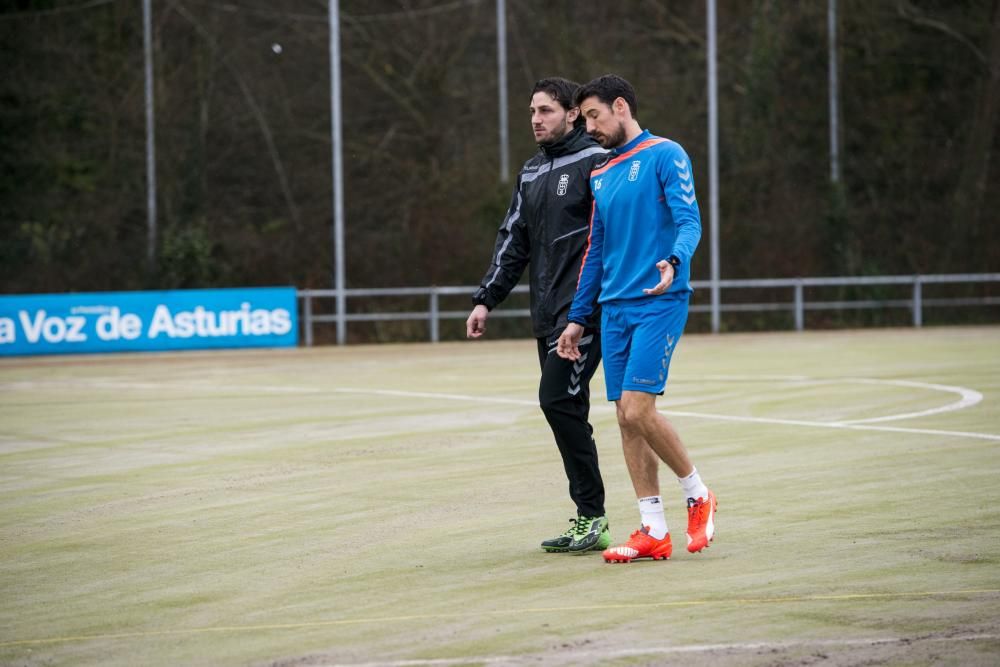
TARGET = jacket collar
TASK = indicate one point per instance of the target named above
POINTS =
(573, 141)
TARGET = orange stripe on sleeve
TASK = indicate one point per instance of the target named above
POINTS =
(624, 156)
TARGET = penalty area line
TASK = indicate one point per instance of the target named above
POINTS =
(844, 597)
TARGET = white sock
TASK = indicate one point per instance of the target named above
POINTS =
(693, 486)
(651, 509)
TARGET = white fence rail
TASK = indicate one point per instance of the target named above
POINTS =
(797, 305)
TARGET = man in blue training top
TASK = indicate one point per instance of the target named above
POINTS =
(644, 228)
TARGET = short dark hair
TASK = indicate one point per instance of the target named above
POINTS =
(562, 91)
(607, 89)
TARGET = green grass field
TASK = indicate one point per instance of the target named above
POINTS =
(383, 505)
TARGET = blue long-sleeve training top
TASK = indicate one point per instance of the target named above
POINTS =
(644, 211)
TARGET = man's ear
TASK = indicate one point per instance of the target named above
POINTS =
(620, 106)
(572, 115)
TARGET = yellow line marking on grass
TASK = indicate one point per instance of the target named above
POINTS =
(844, 597)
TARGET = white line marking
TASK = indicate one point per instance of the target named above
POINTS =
(155, 386)
(841, 425)
(428, 394)
(744, 378)
(680, 413)
(969, 397)
(566, 656)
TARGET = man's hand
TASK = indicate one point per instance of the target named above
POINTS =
(568, 346)
(666, 277)
(475, 326)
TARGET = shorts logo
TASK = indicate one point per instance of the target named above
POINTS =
(633, 173)
(639, 380)
(563, 185)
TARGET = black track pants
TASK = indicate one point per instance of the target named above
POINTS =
(564, 396)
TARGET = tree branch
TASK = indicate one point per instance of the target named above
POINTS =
(910, 13)
(262, 123)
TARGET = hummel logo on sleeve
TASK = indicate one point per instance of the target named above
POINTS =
(686, 185)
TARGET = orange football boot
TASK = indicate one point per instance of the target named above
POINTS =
(640, 545)
(701, 522)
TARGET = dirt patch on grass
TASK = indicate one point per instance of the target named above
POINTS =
(956, 646)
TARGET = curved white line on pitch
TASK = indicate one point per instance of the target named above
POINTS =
(607, 409)
(840, 425)
(971, 398)
(968, 398)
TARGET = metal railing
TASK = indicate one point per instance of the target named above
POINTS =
(798, 305)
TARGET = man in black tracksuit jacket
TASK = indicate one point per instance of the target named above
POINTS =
(546, 228)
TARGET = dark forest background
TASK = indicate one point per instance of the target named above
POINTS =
(244, 148)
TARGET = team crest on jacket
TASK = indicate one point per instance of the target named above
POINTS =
(633, 173)
(563, 185)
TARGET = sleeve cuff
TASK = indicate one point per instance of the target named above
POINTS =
(483, 298)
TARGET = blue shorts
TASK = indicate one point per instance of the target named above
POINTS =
(638, 340)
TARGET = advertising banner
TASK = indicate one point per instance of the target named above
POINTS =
(144, 321)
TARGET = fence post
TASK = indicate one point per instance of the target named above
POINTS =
(800, 316)
(434, 314)
(918, 302)
(307, 315)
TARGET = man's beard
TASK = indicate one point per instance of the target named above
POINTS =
(613, 140)
(556, 135)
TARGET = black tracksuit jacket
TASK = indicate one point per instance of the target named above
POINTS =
(546, 226)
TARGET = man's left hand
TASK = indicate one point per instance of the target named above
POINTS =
(568, 345)
(666, 278)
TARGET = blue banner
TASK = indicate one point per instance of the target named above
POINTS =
(135, 321)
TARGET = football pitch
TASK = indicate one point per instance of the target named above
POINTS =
(383, 505)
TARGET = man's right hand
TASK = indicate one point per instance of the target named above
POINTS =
(568, 346)
(475, 326)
